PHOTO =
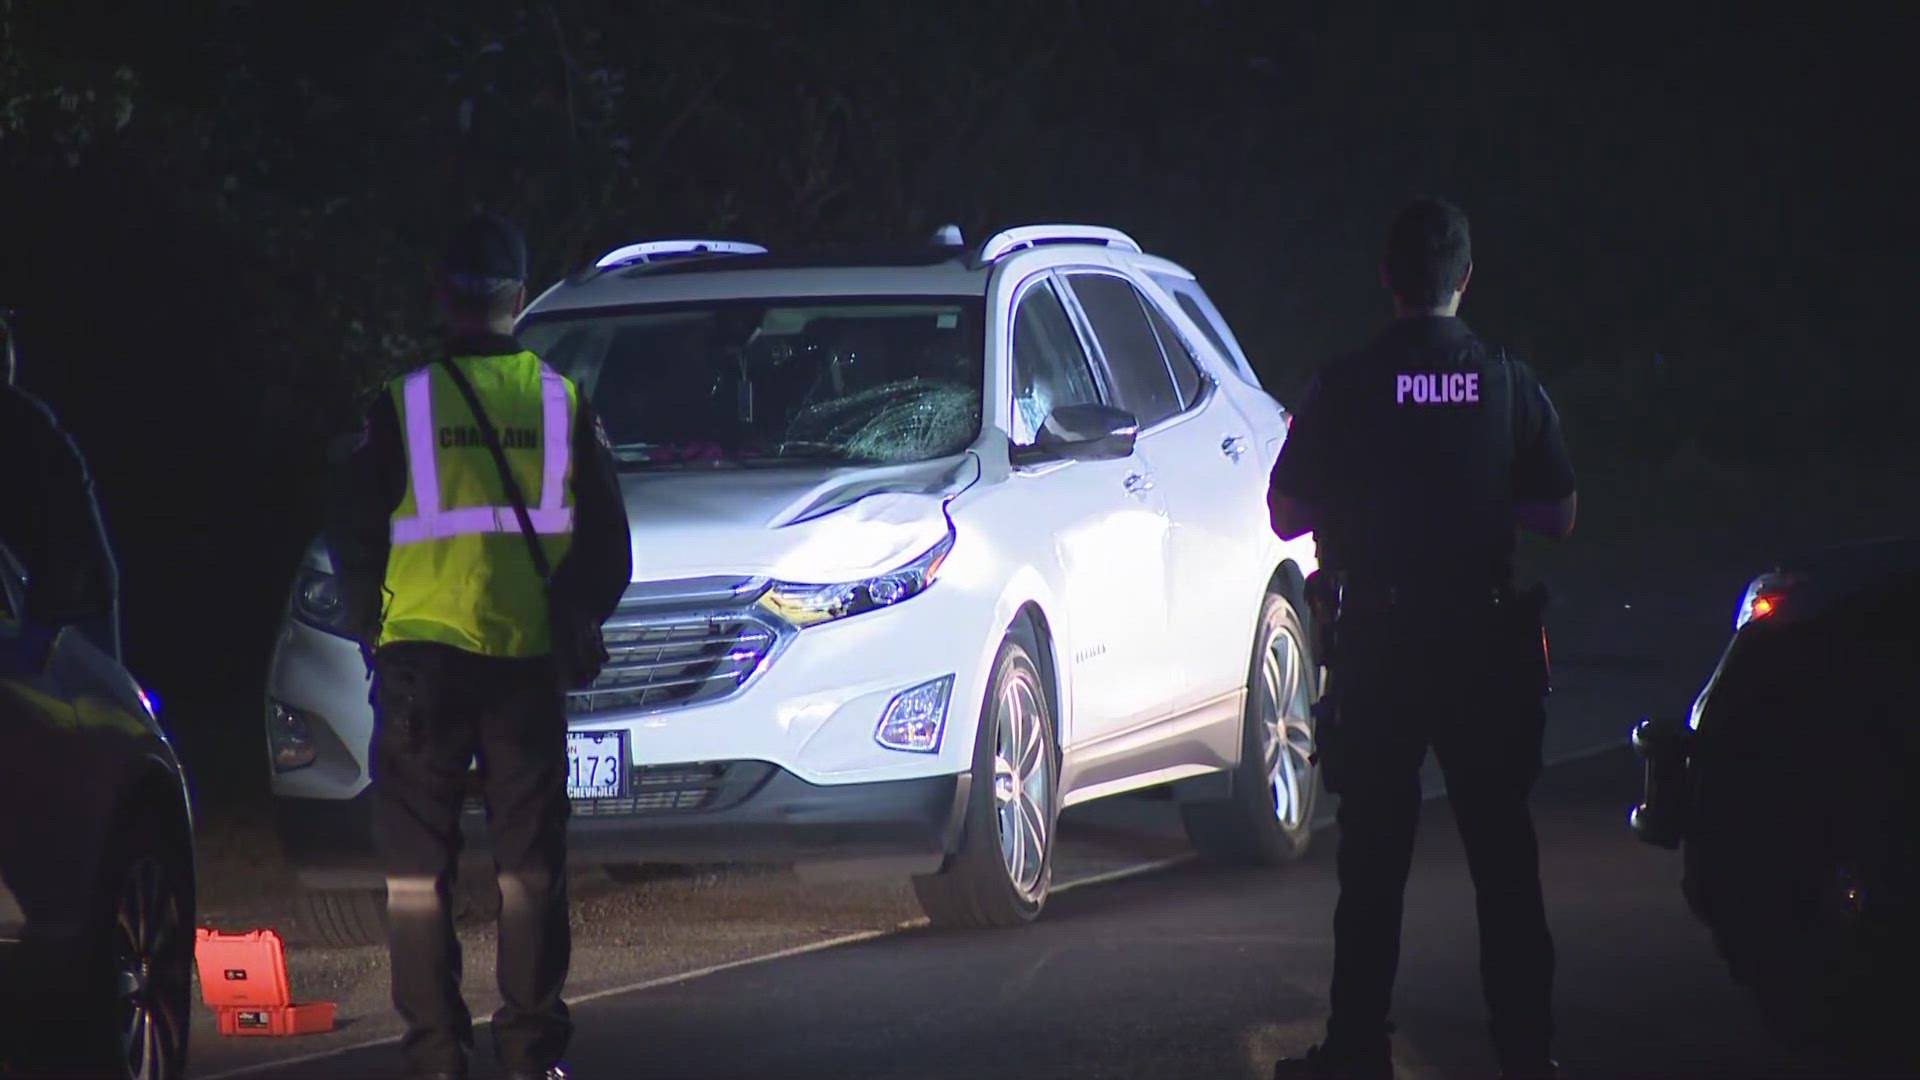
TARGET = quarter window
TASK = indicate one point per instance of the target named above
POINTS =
(1049, 366)
(1141, 382)
(1186, 368)
(1194, 301)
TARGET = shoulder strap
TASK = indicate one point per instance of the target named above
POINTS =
(512, 486)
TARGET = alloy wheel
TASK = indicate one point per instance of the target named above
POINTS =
(151, 967)
(1021, 784)
(1285, 722)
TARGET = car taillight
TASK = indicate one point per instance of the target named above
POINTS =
(1763, 597)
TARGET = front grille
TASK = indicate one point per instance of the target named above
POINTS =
(658, 789)
(675, 659)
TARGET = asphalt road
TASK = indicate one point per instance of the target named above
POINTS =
(1190, 971)
(1148, 965)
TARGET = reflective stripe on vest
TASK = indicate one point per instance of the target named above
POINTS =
(430, 522)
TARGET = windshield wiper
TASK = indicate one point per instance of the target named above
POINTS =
(802, 457)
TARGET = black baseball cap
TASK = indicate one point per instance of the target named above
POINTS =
(485, 254)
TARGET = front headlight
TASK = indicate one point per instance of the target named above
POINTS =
(317, 600)
(805, 605)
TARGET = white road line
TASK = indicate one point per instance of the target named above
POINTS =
(798, 950)
(1123, 872)
(701, 972)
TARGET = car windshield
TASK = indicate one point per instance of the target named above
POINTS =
(767, 382)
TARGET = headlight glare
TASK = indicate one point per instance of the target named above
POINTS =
(915, 718)
(290, 737)
(805, 604)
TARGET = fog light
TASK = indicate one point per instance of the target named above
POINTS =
(290, 737)
(914, 718)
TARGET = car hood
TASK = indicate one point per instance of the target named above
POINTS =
(1880, 557)
(811, 524)
(1835, 573)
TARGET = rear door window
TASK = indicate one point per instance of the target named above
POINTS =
(1187, 376)
(1142, 382)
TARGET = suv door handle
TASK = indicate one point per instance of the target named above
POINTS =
(1139, 483)
(1234, 446)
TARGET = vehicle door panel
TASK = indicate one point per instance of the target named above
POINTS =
(1217, 497)
(1204, 486)
(1104, 525)
(44, 867)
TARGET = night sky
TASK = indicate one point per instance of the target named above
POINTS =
(1702, 239)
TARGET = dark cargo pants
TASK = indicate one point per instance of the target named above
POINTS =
(1460, 689)
(437, 709)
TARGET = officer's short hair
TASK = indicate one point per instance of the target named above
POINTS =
(1427, 251)
(484, 265)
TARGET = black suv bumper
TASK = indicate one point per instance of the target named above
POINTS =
(718, 812)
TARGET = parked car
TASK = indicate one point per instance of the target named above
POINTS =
(96, 860)
(929, 543)
(1789, 789)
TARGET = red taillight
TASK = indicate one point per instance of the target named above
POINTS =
(1763, 597)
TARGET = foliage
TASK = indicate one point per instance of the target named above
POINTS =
(268, 182)
(52, 113)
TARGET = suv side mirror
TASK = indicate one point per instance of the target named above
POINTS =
(1089, 432)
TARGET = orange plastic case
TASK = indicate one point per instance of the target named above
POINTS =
(243, 977)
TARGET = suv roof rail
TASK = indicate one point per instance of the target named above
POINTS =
(655, 249)
(1026, 236)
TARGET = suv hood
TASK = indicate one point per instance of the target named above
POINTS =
(811, 524)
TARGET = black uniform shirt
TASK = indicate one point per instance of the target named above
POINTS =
(1413, 452)
(373, 481)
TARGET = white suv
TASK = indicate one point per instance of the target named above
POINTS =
(928, 544)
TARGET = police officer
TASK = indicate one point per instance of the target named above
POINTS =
(1413, 460)
(471, 650)
(49, 517)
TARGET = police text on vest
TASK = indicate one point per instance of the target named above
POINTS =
(1437, 387)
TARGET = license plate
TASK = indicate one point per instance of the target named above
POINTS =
(596, 764)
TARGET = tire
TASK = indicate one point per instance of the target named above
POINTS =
(344, 918)
(144, 958)
(1805, 910)
(993, 881)
(1268, 817)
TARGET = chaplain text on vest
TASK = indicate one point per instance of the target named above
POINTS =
(510, 438)
(1436, 388)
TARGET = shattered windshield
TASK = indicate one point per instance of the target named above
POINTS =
(767, 382)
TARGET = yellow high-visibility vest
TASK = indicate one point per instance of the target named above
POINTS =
(458, 570)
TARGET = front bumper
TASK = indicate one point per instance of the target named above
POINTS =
(811, 708)
(1666, 748)
(748, 811)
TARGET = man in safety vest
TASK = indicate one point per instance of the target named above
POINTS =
(435, 551)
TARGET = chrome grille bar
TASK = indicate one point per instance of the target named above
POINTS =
(665, 658)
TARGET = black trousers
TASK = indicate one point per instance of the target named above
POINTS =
(437, 709)
(1465, 690)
